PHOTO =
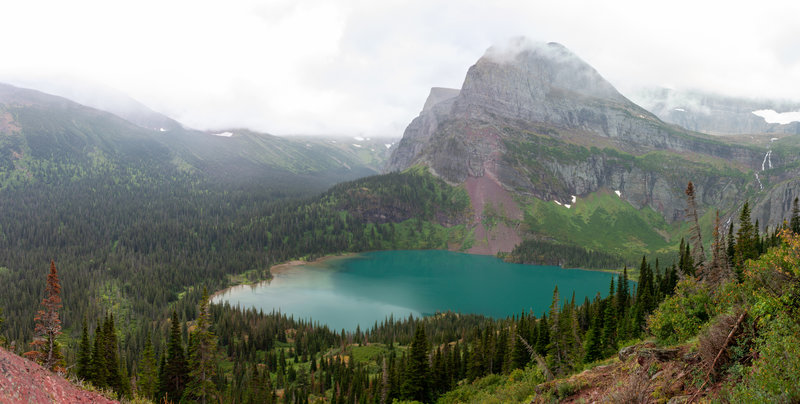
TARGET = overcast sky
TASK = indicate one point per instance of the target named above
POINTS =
(365, 67)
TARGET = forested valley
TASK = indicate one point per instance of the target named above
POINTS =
(137, 321)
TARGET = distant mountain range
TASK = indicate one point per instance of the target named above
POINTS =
(716, 114)
(545, 146)
(36, 128)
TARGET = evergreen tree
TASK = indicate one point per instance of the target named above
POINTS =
(99, 370)
(519, 352)
(594, 342)
(543, 335)
(609, 334)
(202, 362)
(46, 350)
(147, 381)
(685, 262)
(719, 269)
(110, 351)
(731, 245)
(794, 223)
(175, 374)
(623, 293)
(417, 373)
(746, 247)
(696, 237)
(84, 364)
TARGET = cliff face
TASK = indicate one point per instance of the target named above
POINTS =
(538, 121)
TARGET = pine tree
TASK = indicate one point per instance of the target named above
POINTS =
(794, 223)
(98, 374)
(47, 351)
(746, 247)
(109, 349)
(202, 362)
(84, 354)
(719, 269)
(175, 374)
(609, 334)
(731, 244)
(417, 373)
(519, 352)
(696, 237)
(623, 293)
(148, 371)
(543, 335)
(594, 342)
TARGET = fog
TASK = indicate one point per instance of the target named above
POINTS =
(364, 68)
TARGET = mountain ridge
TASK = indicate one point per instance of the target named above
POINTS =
(521, 122)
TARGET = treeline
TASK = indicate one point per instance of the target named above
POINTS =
(540, 252)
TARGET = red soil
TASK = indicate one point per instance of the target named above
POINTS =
(23, 381)
(487, 189)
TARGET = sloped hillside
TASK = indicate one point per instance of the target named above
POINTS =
(23, 381)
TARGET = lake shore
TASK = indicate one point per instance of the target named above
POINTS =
(282, 268)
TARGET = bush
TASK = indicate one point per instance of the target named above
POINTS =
(774, 376)
(682, 315)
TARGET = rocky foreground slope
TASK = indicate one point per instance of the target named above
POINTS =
(23, 381)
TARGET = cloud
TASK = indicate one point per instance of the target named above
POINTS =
(352, 66)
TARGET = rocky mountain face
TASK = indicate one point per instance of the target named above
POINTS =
(534, 120)
(715, 114)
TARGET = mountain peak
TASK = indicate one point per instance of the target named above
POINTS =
(530, 79)
(439, 94)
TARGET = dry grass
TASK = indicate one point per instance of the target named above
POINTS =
(637, 388)
(713, 339)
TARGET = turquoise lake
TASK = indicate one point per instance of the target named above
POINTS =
(362, 289)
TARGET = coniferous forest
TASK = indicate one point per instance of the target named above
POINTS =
(105, 321)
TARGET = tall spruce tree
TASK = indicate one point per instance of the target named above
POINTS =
(98, 374)
(46, 350)
(109, 348)
(609, 333)
(175, 374)
(84, 364)
(594, 341)
(202, 361)
(719, 269)
(416, 385)
(746, 247)
(147, 381)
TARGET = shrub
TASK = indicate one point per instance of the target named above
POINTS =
(774, 376)
(681, 315)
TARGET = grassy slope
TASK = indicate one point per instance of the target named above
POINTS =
(605, 222)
